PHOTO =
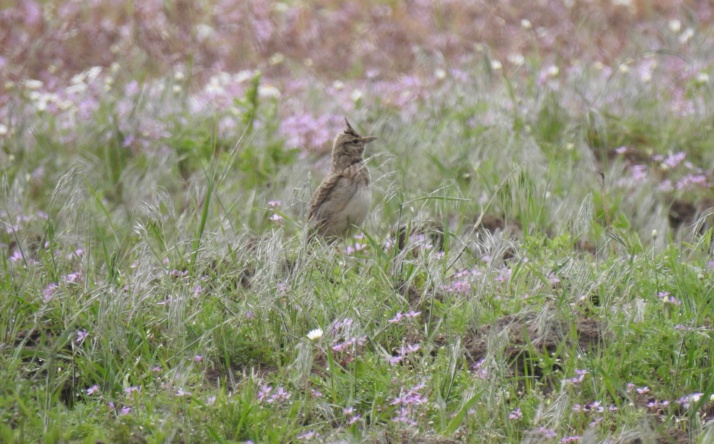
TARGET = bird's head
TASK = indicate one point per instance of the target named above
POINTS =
(349, 146)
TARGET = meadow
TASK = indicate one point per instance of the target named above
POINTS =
(550, 167)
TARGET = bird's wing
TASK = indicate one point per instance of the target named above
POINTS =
(331, 197)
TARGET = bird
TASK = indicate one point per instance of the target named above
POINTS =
(342, 200)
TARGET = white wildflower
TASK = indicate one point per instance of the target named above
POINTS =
(675, 26)
(315, 334)
(516, 59)
(33, 84)
(268, 91)
(686, 35)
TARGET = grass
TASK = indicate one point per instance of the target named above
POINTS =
(158, 287)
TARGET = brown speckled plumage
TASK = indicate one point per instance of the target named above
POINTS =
(343, 198)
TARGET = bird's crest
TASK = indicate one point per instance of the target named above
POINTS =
(349, 130)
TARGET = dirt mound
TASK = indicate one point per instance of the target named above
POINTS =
(524, 333)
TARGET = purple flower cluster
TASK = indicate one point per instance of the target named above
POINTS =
(403, 352)
(182, 392)
(407, 403)
(350, 415)
(81, 336)
(595, 406)
(177, 273)
(595, 422)
(266, 394)
(350, 344)
(504, 273)
(78, 253)
(459, 286)
(665, 297)
(72, 278)
(462, 281)
(411, 397)
(133, 389)
(547, 433)
(515, 414)
(400, 317)
(553, 279)
(656, 405)
(696, 177)
(404, 417)
(341, 325)
(691, 181)
(638, 173)
(673, 160)
(481, 371)
(48, 292)
(687, 400)
(307, 131)
(307, 436)
(354, 249)
(577, 379)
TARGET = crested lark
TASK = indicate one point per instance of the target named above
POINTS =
(343, 199)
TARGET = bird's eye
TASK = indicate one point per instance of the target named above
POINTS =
(355, 141)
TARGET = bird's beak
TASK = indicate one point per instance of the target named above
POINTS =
(366, 140)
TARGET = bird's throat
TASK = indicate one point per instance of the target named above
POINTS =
(342, 162)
